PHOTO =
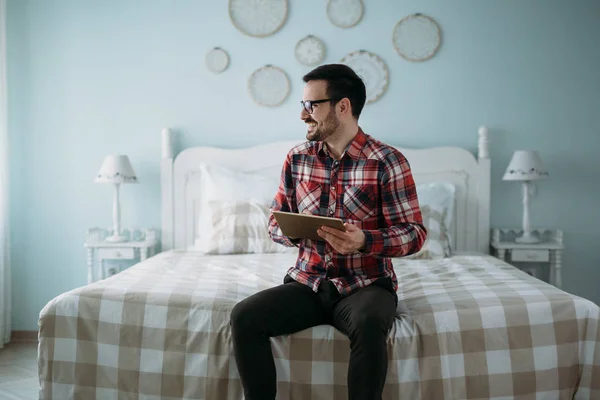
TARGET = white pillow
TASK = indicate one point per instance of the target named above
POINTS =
(436, 201)
(220, 184)
(439, 196)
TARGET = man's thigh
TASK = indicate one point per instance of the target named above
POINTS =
(374, 305)
(284, 309)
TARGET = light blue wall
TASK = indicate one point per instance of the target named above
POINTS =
(88, 78)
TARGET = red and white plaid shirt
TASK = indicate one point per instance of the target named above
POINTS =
(372, 187)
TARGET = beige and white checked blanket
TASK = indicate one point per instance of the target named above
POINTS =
(468, 327)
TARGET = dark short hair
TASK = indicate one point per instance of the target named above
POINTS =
(342, 82)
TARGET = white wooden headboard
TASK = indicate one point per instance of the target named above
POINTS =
(469, 173)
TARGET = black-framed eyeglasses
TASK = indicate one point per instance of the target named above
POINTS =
(308, 104)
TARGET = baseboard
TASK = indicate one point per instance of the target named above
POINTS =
(24, 336)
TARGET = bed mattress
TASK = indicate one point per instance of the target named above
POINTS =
(467, 327)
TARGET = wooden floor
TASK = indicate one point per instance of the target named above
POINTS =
(18, 371)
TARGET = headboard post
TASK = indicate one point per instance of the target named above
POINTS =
(166, 176)
(484, 191)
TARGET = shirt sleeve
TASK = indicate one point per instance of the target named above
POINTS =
(285, 200)
(404, 233)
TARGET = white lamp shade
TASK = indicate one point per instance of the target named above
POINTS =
(525, 165)
(116, 168)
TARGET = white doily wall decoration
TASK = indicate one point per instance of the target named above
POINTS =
(269, 86)
(416, 37)
(373, 71)
(345, 13)
(217, 60)
(310, 50)
(258, 18)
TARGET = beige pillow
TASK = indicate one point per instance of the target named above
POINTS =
(240, 227)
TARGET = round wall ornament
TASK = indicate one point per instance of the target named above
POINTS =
(416, 37)
(345, 13)
(310, 50)
(217, 60)
(269, 86)
(373, 71)
(258, 18)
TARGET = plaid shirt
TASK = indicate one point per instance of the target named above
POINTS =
(372, 187)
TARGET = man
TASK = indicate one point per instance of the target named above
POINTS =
(347, 279)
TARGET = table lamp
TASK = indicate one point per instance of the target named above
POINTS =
(116, 169)
(525, 166)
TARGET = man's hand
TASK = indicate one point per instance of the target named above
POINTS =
(344, 242)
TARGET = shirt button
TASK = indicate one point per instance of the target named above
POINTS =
(333, 188)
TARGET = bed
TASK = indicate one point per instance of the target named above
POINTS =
(468, 326)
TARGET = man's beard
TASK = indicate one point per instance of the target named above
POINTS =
(330, 125)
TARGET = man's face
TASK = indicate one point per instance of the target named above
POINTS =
(323, 121)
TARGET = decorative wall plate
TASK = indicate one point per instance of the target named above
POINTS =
(269, 86)
(310, 50)
(258, 18)
(345, 13)
(217, 60)
(416, 37)
(373, 71)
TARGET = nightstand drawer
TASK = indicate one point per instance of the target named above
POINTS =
(117, 254)
(530, 255)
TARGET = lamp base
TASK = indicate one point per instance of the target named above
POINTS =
(116, 239)
(527, 238)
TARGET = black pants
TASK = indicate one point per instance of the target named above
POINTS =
(365, 317)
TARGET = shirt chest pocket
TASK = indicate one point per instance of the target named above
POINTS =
(308, 197)
(359, 202)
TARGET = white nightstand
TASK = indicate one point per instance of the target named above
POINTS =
(548, 250)
(142, 246)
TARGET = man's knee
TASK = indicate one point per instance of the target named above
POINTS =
(370, 324)
(241, 316)
(246, 313)
(372, 321)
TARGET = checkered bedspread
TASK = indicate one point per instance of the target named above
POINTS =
(468, 327)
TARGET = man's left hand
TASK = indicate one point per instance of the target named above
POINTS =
(344, 242)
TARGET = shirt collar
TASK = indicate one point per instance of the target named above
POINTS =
(354, 148)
